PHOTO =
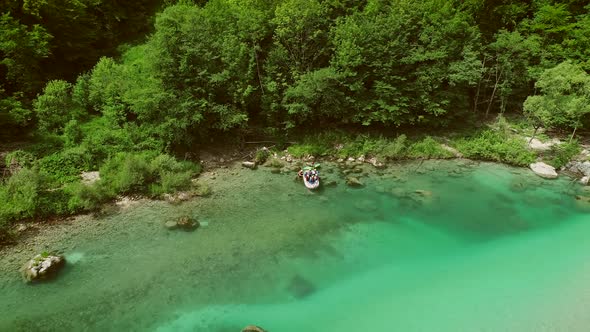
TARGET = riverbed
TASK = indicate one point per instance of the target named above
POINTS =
(422, 246)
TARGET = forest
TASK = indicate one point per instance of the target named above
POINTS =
(130, 88)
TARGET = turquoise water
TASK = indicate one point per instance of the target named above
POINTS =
(433, 246)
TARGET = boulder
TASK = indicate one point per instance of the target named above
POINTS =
(351, 181)
(376, 163)
(171, 225)
(253, 328)
(185, 223)
(249, 164)
(584, 168)
(543, 170)
(89, 178)
(42, 266)
(584, 180)
(536, 145)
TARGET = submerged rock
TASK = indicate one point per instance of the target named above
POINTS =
(330, 183)
(543, 170)
(253, 328)
(185, 223)
(300, 287)
(366, 205)
(351, 181)
(42, 266)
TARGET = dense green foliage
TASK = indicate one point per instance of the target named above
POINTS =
(496, 146)
(88, 101)
(50, 39)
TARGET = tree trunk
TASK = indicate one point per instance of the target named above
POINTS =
(493, 92)
(534, 133)
(258, 68)
(574, 133)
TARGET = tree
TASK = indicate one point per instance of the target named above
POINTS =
(564, 99)
(406, 62)
(54, 108)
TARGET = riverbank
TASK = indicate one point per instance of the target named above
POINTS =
(499, 141)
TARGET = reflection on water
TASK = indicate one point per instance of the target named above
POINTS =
(437, 246)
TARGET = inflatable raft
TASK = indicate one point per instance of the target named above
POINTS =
(311, 179)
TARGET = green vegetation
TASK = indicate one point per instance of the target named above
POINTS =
(563, 153)
(98, 85)
(496, 146)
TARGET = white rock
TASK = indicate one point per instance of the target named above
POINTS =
(537, 145)
(361, 159)
(584, 168)
(249, 164)
(350, 159)
(585, 180)
(543, 170)
(89, 177)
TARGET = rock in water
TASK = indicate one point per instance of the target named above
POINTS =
(187, 223)
(253, 328)
(171, 225)
(42, 266)
(249, 164)
(300, 287)
(584, 180)
(543, 170)
(353, 182)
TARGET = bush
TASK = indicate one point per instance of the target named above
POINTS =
(393, 149)
(19, 159)
(65, 166)
(563, 153)
(87, 198)
(495, 146)
(428, 148)
(261, 156)
(147, 173)
(19, 196)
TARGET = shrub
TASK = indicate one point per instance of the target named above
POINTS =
(146, 173)
(19, 159)
(563, 153)
(19, 196)
(495, 146)
(87, 197)
(261, 156)
(65, 166)
(428, 148)
(393, 149)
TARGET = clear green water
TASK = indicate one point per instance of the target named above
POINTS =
(488, 248)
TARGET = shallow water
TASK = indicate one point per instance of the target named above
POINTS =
(433, 246)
